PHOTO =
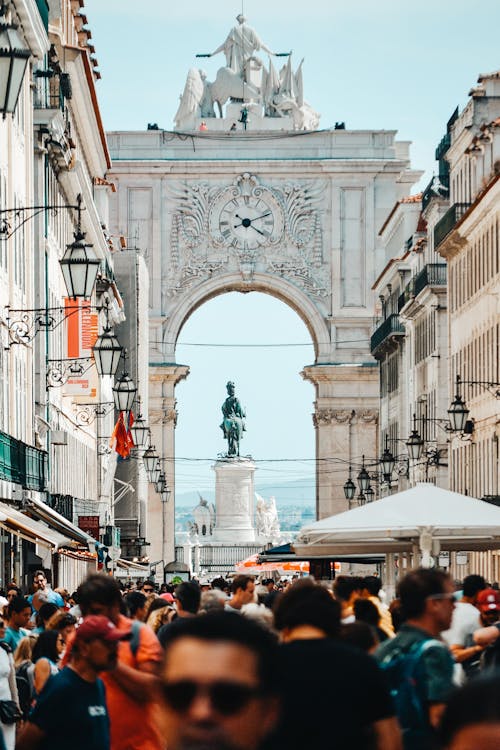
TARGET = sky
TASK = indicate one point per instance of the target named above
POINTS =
(385, 64)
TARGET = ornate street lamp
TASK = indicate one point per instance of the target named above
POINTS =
(414, 443)
(458, 411)
(349, 487)
(107, 352)
(140, 433)
(369, 494)
(154, 475)
(387, 461)
(363, 479)
(161, 483)
(150, 459)
(79, 266)
(124, 393)
(13, 61)
(165, 495)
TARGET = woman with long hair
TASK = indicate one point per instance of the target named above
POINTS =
(46, 654)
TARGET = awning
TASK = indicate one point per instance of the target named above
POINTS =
(59, 523)
(14, 521)
(285, 553)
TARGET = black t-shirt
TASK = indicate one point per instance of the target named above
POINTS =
(332, 694)
(72, 713)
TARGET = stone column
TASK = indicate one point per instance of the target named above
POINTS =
(346, 422)
(234, 494)
(162, 420)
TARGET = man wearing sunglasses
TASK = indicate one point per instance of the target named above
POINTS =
(218, 684)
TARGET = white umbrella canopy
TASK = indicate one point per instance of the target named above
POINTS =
(424, 515)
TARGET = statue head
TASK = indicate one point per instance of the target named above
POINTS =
(241, 18)
(230, 387)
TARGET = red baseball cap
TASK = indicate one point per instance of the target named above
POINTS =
(168, 597)
(488, 599)
(98, 626)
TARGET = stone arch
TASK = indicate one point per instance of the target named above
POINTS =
(276, 287)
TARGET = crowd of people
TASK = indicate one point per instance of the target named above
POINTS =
(251, 665)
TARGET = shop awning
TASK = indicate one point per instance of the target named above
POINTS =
(14, 521)
(59, 523)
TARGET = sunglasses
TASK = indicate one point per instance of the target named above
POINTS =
(148, 591)
(227, 698)
(442, 597)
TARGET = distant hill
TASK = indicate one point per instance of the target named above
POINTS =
(299, 492)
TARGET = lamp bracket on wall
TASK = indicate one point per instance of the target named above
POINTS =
(24, 325)
(87, 413)
(60, 370)
(12, 219)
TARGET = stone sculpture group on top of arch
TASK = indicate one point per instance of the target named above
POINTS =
(264, 91)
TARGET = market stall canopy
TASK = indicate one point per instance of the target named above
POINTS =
(425, 516)
(252, 566)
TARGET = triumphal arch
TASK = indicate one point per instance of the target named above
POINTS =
(262, 199)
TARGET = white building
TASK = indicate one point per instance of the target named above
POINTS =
(52, 149)
(467, 237)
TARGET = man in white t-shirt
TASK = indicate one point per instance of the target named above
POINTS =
(465, 620)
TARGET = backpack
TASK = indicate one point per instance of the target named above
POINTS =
(24, 690)
(406, 682)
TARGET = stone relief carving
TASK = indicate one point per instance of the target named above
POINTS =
(244, 226)
(324, 416)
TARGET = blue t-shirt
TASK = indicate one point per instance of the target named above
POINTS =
(72, 713)
(13, 637)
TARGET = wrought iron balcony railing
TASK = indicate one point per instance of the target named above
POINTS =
(22, 463)
(389, 328)
(433, 274)
(446, 224)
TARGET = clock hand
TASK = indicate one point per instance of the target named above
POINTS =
(269, 213)
(258, 230)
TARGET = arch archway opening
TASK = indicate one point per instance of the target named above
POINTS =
(262, 345)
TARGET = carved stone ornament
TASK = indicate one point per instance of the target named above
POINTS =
(368, 416)
(244, 227)
(323, 416)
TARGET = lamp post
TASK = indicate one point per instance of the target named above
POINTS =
(387, 461)
(458, 411)
(107, 352)
(140, 433)
(414, 443)
(13, 61)
(363, 479)
(349, 487)
(124, 393)
(79, 264)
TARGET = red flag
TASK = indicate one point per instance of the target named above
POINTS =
(120, 437)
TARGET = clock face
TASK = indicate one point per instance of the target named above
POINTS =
(247, 221)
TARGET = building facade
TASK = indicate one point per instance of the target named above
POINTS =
(322, 196)
(467, 238)
(53, 160)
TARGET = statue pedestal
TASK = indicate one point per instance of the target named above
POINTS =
(234, 498)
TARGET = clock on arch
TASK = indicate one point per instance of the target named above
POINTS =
(246, 216)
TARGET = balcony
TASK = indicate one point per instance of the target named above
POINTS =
(447, 223)
(438, 187)
(22, 464)
(390, 329)
(406, 295)
(433, 274)
(48, 91)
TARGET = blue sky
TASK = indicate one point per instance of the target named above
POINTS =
(384, 64)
